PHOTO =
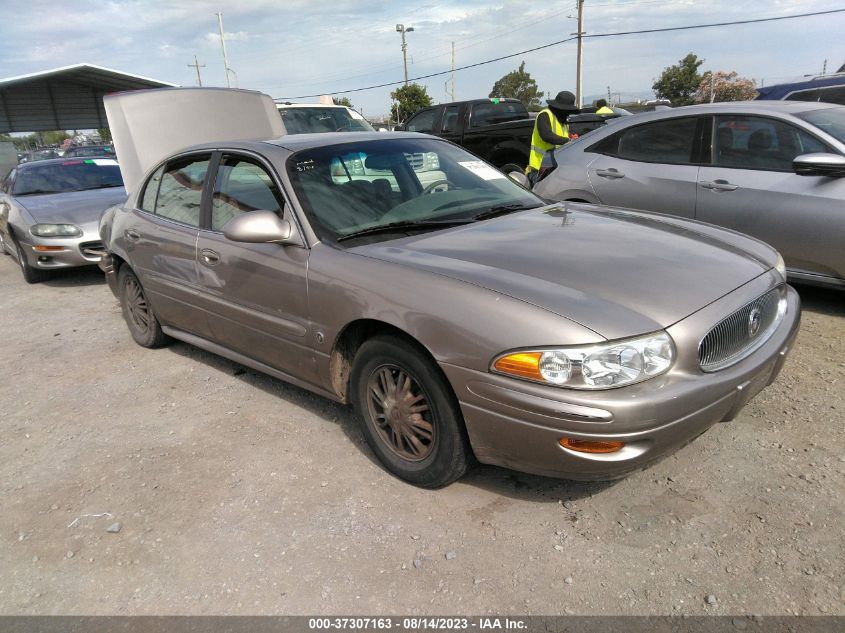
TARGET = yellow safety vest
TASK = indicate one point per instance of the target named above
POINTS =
(539, 147)
(604, 110)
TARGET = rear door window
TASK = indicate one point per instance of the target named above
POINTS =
(668, 141)
(450, 120)
(496, 111)
(148, 198)
(180, 192)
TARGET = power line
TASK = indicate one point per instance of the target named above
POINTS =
(569, 39)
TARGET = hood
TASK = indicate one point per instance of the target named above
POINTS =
(73, 207)
(618, 273)
(149, 125)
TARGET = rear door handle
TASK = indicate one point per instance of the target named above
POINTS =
(718, 185)
(210, 257)
(131, 235)
(611, 173)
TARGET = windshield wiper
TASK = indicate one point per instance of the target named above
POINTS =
(109, 186)
(393, 227)
(501, 209)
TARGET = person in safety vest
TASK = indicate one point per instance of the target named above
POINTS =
(602, 109)
(550, 131)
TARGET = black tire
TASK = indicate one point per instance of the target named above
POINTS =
(509, 167)
(137, 312)
(31, 275)
(428, 407)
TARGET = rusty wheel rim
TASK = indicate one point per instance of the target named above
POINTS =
(400, 412)
(136, 304)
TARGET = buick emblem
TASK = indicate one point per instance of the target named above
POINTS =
(754, 322)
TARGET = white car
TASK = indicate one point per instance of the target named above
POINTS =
(307, 118)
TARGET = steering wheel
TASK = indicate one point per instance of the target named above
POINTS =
(430, 187)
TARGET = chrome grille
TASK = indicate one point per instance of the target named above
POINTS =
(416, 160)
(92, 249)
(736, 336)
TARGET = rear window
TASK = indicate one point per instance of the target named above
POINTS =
(497, 111)
(316, 120)
(832, 94)
(830, 120)
(70, 175)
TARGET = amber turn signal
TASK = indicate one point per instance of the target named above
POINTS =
(591, 446)
(47, 249)
(521, 365)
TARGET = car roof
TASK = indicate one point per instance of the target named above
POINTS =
(57, 161)
(310, 105)
(751, 107)
(297, 142)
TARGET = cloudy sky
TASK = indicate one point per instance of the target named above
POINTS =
(292, 48)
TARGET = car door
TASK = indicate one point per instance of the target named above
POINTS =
(160, 236)
(450, 124)
(6, 188)
(749, 186)
(256, 295)
(652, 166)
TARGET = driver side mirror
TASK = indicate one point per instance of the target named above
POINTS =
(261, 227)
(819, 164)
(519, 178)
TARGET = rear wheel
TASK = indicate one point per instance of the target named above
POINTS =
(408, 413)
(137, 311)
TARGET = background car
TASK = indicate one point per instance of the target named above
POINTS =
(310, 118)
(468, 319)
(773, 170)
(50, 211)
(90, 151)
(826, 88)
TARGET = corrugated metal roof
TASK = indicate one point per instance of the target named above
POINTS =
(67, 98)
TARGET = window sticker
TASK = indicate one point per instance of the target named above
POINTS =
(481, 170)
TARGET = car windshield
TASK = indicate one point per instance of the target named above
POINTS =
(361, 188)
(69, 175)
(310, 120)
(830, 120)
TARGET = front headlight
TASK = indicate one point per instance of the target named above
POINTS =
(780, 266)
(56, 230)
(601, 366)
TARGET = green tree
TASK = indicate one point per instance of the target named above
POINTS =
(54, 137)
(724, 86)
(408, 100)
(678, 83)
(343, 101)
(518, 84)
(105, 134)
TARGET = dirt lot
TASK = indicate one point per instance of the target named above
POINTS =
(239, 494)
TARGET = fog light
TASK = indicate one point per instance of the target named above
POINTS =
(591, 446)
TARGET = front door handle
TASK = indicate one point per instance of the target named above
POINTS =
(131, 235)
(718, 185)
(210, 257)
(611, 173)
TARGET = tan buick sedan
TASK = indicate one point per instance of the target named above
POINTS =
(464, 319)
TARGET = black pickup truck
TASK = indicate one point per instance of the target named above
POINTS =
(498, 130)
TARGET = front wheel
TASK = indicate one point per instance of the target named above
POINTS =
(31, 275)
(137, 311)
(408, 413)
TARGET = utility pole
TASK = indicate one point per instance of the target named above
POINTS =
(453, 71)
(824, 66)
(223, 43)
(608, 96)
(400, 28)
(197, 65)
(712, 86)
(580, 34)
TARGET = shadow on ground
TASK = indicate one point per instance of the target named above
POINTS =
(70, 277)
(501, 481)
(821, 300)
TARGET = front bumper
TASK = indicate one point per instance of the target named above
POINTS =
(518, 424)
(54, 253)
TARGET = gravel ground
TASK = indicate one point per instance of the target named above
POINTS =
(229, 492)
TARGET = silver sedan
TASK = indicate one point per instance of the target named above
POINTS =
(772, 170)
(50, 211)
